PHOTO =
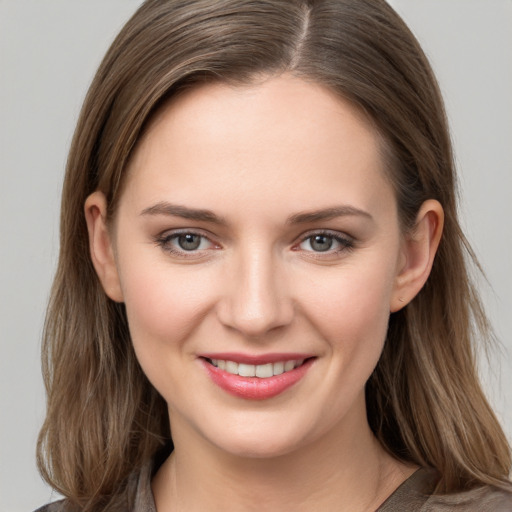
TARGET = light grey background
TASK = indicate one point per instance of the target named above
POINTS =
(49, 52)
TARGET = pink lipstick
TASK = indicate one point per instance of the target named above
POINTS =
(256, 377)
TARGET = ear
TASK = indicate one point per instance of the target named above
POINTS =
(418, 251)
(101, 246)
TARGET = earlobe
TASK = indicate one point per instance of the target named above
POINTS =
(419, 249)
(101, 245)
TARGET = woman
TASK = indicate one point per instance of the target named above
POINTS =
(265, 305)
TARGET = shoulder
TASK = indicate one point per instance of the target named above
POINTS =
(136, 495)
(56, 506)
(483, 499)
(417, 494)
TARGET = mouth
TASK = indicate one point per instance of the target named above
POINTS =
(261, 371)
(259, 380)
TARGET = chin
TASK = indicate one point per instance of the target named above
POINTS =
(260, 448)
(261, 438)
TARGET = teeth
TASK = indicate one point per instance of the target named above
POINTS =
(278, 368)
(246, 370)
(257, 370)
(232, 367)
(289, 365)
(264, 370)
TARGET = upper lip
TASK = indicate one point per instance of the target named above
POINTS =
(256, 359)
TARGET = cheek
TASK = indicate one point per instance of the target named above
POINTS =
(165, 307)
(163, 303)
(347, 293)
(351, 315)
(350, 308)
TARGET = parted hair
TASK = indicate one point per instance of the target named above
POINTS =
(425, 404)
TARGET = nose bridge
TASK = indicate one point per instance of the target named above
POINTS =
(257, 300)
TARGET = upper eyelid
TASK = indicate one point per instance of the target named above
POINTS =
(327, 232)
(169, 233)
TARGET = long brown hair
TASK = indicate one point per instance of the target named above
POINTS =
(425, 404)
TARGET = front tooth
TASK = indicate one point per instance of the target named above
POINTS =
(289, 365)
(278, 368)
(264, 370)
(246, 370)
(231, 367)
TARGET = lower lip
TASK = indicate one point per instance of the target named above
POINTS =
(255, 388)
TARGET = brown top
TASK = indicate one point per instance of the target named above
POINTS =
(414, 495)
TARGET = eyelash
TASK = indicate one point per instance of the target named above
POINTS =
(346, 243)
(164, 241)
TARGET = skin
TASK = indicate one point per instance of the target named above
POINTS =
(256, 156)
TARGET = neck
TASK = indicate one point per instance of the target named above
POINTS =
(344, 470)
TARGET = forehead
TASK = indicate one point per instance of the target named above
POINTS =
(291, 140)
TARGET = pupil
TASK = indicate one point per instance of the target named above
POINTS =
(189, 242)
(321, 243)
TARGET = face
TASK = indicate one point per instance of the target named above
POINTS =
(257, 249)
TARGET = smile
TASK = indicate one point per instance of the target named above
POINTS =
(262, 371)
(257, 378)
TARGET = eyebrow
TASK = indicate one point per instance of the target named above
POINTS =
(175, 210)
(327, 214)
(202, 215)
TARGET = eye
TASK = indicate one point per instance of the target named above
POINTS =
(319, 243)
(189, 241)
(184, 243)
(325, 243)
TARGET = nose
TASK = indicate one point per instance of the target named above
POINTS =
(256, 300)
